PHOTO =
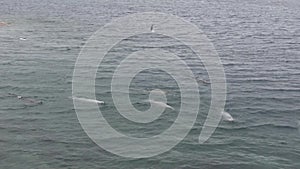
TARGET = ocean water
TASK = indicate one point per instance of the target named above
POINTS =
(258, 43)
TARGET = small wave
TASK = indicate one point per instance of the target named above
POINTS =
(5, 63)
(281, 89)
(267, 125)
(51, 140)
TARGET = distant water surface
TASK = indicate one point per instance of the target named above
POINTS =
(258, 43)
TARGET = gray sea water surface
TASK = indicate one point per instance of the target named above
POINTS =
(259, 45)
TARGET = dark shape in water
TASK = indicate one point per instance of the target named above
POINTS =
(152, 28)
(203, 81)
(29, 101)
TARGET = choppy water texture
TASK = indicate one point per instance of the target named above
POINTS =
(258, 42)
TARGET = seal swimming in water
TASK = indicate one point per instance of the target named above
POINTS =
(29, 101)
(152, 28)
(87, 100)
(3, 24)
(226, 116)
(161, 104)
(202, 80)
(22, 38)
